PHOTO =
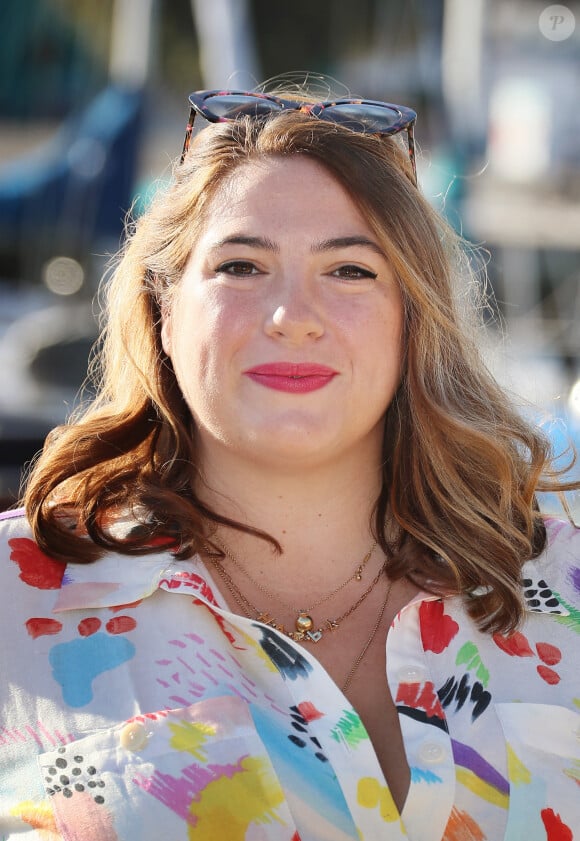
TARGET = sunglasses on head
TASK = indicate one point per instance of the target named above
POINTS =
(363, 115)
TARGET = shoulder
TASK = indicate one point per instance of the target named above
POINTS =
(21, 559)
(556, 569)
(14, 524)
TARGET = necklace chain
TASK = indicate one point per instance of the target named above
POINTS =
(357, 574)
(304, 630)
(308, 635)
(369, 641)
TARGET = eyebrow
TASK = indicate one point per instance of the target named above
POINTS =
(325, 245)
(348, 242)
(254, 242)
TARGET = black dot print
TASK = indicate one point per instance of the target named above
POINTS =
(539, 597)
(70, 782)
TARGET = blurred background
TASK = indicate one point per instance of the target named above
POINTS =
(93, 105)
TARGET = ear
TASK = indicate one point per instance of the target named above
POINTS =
(166, 333)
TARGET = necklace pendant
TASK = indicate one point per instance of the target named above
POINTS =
(315, 636)
(304, 623)
(297, 636)
(331, 624)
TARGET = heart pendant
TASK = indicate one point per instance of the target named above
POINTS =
(315, 636)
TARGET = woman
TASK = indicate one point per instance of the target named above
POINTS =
(287, 578)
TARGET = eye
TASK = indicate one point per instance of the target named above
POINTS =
(238, 268)
(351, 272)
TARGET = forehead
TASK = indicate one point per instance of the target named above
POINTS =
(283, 191)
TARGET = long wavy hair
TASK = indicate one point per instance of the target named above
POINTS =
(460, 466)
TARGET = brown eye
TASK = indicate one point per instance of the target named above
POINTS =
(240, 268)
(351, 272)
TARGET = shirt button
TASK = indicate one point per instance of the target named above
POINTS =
(411, 674)
(432, 753)
(134, 736)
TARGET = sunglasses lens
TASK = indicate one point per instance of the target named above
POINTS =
(371, 118)
(237, 105)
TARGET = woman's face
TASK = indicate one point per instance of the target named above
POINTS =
(285, 332)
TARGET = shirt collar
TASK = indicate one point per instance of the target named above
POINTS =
(115, 580)
(118, 580)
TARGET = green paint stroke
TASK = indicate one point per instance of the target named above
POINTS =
(349, 729)
(469, 655)
(572, 621)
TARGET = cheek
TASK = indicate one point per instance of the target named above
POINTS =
(202, 333)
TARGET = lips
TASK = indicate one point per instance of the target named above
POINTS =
(291, 376)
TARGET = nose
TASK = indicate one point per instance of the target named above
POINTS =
(294, 315)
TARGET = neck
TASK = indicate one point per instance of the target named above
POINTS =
(323, 514)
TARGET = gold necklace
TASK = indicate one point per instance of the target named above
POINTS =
(304, 624)
(305, 636)
(369, 641)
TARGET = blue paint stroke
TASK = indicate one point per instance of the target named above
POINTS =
(77, 663)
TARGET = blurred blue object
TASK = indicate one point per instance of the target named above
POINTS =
(562, 427)
(74, 191)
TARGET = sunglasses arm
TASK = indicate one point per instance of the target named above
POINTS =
(411, 147)
(188, 133)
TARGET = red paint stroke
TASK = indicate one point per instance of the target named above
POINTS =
(184, 578)
(548, 654)
(556, 829)
(36, 568)
(121, 625)
(42, 626)
(221, 623)
(89, 626)
(549, 675)
(437, 627)
(116, 608)
(516, 645)
(308, 711)
(420, 696)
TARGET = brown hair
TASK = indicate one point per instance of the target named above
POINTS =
(461, 467)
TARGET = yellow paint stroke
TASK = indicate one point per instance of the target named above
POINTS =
(190, 736)
(517, 772)
(576, 702)
(40, 817)
(484, 790)
(257, 649)
(370, 794)
(226, 807)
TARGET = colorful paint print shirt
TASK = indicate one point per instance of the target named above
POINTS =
(135, 706)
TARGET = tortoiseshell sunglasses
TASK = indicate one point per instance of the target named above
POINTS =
(364, 115)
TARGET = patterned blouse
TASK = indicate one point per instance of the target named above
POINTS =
(134, 705)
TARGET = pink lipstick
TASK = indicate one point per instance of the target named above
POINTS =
(297, 378)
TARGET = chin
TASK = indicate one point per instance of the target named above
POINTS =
(292, 443)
